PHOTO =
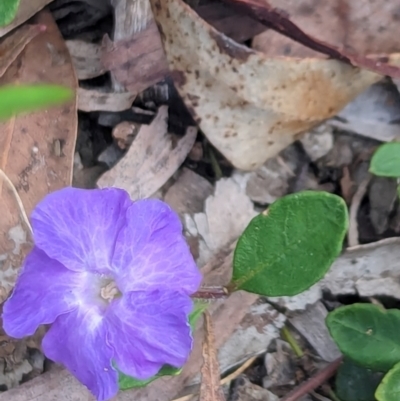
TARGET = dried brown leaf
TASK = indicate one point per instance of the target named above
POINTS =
(151, 160)
(12, 45)
(26, 9)
(278, 20)
(36, 150)
(210, 389)
(250, 106)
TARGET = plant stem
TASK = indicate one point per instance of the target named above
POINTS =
(314, 382)
(211, 293)
(287, 335)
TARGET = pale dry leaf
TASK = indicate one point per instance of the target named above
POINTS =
(210, 389)
(250, 106)
(375, 114)
(151, 160)
(227, 212)
(26, 9)
(86, 58)
(98, 100)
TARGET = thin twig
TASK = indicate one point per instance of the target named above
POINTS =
(18, 199)
(226, 380)
(211, 293)
(355, 205)
(313, 382)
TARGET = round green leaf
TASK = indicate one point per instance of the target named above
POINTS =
(355, 383)
(386, 160)
(389, 389)
(19, 99)
(367, 334)
(8, 11)
(291, 246)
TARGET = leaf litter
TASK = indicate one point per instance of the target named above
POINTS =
(274, 91)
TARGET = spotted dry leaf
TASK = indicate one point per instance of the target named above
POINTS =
(249, 105)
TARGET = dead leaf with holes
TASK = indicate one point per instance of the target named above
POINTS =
(36, 150)
(249, 105)
(210, 389)
(151, 160)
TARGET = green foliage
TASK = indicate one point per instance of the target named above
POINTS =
(126, 382)
(291, 246)
(25, 98)
(389, 389)
(367, 334)
(355, 383)
(386, 160)
(8, 11)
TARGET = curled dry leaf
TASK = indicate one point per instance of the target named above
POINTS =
(210, 389)
(36, 151)
(151, 160)
(96, 100)
(250, 106)
(26, 9)
(227, 212)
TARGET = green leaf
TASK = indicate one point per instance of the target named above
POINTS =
(389, 389)
(291, 246)
(19, 99)
(126, 382)
(8, 11)
(386, 160)
(367, 334)
(355, 383)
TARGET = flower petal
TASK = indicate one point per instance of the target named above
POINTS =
(45, 289)
(148, 330)
(78, 340)
(151, 251)
(79, 227)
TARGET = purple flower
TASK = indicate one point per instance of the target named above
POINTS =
(113, 278)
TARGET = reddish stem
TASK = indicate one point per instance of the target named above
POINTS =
(211, 293)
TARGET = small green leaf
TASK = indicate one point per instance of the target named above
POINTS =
(126, 382)
(367, 334)
(386, 160)
(8, 11)
(21, 99)
(389, 389)
(355, 383)
(291, 246)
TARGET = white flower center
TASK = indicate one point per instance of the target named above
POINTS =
(109, 291)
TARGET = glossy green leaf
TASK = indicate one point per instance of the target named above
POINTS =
(367, 334)
(386, 160)
(8, 11)
(126, 382)
(291, 246)
(355, 383)
(22, 99)
(389, 389)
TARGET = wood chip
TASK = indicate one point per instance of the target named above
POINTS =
(96, 100)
